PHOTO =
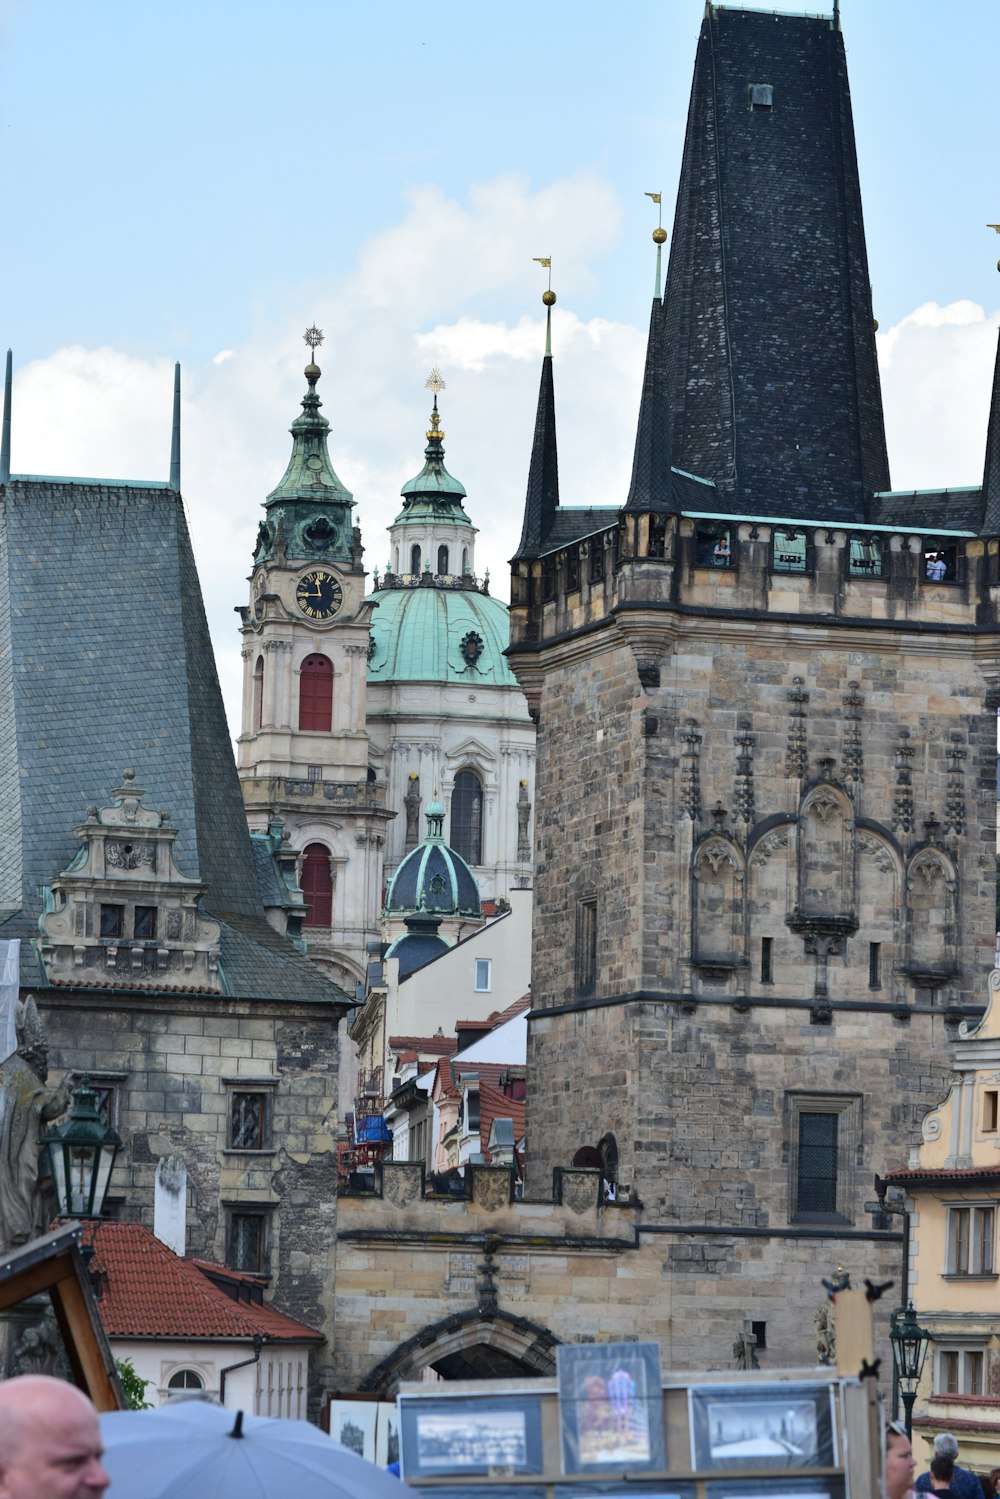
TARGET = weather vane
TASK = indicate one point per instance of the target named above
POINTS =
(313, 337)
(545, 261)
(658, 200)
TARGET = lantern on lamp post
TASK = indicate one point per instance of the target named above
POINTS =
(81, 1153)
(909, 1342)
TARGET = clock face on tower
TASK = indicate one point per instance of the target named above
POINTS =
(318, 594)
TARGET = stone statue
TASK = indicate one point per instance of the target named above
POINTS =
(523, 814)
(26, 1108)
(411, 802)
(826, 1334)
(745, 1349)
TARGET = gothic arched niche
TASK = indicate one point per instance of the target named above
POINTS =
(717, 903)
(931, 897)
(876, 944)
(771, 894)
(826, 854)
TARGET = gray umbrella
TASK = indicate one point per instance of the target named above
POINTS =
(195, 1450)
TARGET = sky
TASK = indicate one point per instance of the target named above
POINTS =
(202, 180)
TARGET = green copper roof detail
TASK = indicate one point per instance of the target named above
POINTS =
(434, 480)
(310, 475)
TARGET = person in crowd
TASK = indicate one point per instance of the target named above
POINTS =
(964, 1485)
(899, 1462)
(50, 1441)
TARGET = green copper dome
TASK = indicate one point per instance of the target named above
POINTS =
(425, 634)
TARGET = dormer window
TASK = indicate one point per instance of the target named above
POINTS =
(762, 96)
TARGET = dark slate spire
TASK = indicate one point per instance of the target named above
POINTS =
(175, 434)
(774, 382)
(5, 433)
(991, 472)
(542, 499)
(652, 479)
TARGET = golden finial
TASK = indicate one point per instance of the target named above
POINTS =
(549, 299)
(435, 381)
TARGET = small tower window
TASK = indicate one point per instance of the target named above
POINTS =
(761, 95)
(414, 559)
(790, 552)
(258, 694)
(465, 561)
(467, 817)
(442, 562)
(317, 885)
(316, 694)
(144, 924)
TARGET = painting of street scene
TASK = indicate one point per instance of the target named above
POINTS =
(762, 1429)
(611, 1403)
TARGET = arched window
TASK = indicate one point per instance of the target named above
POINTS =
(317, 885)
(316, 694)
(395, 565)
(467, 817)
(465, 560)
(442, 562)
(258, 694)
(185, 1379)
(414, 558)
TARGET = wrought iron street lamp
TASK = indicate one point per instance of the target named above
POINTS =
(81, 1154)
(909, 1342)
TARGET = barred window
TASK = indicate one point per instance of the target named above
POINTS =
(247, 1241)
(817, 1163)
(823, 1138)
(248, 1121)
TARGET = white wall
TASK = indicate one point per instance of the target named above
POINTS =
(276, 1386)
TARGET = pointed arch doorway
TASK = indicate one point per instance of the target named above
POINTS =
(468, 1345)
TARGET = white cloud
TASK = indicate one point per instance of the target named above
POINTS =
(415, 298)
(937, 374)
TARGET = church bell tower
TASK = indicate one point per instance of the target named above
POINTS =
(303, 754)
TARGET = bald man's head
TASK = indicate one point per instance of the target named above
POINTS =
(50, 1441)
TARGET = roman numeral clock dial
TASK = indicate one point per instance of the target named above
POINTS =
(319, 595)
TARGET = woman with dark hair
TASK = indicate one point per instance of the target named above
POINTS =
(942, 1472)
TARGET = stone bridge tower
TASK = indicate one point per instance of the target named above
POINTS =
(766, 691)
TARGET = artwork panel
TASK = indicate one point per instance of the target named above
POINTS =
(470, 1436)
(762, 1426)
(611, 1407)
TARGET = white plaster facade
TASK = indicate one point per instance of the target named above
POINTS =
(277, 1385)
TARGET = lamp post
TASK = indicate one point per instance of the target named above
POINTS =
(909, 1342)
(81, 1152)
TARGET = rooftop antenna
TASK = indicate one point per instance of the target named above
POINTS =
(175, 436)
(5, 438)
(836, 15)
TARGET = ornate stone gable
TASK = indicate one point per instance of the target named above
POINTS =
(122, 915)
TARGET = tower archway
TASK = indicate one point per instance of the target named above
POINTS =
(468, 1345)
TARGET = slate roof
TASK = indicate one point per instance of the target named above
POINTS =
(106, 662)
(542, 498)
(991, 469)
(930, 509)
(150, 1292)
(774, 388)
(652, 477)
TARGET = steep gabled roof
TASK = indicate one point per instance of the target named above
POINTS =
(106, 662)
(652, 486)
(542, 499)
(150, 1292)
(991, 472)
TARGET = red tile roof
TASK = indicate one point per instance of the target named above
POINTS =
(500, 1017)
(944, 1173)
(496, 1105)
(150, 1292)
(430, 1046)
(489, 1073)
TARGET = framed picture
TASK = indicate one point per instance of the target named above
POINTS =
(763, 1426)
(479, 1436)
(352, 1424)
(386, 1434)
(611, 1407)
(777, 1488)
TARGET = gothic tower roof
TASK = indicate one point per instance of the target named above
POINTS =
(652, 474)
(774, 382)
(542, 500)
(991, 472)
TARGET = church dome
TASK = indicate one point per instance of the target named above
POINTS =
(427, 634)
(433, 878)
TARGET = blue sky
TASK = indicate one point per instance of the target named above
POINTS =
(201, 180)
